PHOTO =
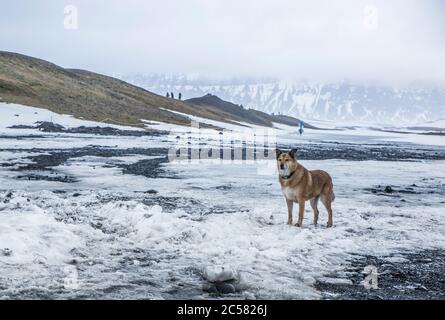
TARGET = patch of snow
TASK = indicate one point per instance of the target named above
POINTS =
(16, 114)
(219, 273)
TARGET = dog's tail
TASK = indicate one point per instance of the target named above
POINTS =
(332, 191)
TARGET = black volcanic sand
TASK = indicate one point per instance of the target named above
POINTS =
(44, 163)
(365, 152)
(421, 275)
(152, 168)
(45, 126)
(424, 187)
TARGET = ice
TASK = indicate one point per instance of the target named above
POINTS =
(219, 273)
(105, 233)
(251, 237)
(34, 237)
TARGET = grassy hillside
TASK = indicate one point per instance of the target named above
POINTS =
(87, 95)
(91, 96)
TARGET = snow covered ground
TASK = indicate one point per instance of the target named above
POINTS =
(15, 114)
(109, 233)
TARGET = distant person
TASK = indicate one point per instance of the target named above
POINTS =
(180, 96)
(172, 95)
(301, 129)
(168, 95)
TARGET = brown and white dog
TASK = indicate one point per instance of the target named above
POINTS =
(299, 185)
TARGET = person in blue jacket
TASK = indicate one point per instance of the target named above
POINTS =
(301, 130)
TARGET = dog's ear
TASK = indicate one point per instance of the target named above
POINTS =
(293, 152)
(278, 152)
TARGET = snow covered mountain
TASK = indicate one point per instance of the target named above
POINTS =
(329, 101)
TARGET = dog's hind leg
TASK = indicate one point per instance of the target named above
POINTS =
(326, 200)
(314, 203)
(290, 206)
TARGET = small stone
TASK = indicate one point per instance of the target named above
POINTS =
(210, 288)
(225, 288)
(389, 189)
(6, 252)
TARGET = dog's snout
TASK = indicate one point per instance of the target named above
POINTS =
(281, 166)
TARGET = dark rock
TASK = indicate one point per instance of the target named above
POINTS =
(108, 131)
(225, 288)
(36, 177)
(389, 189)
(150, 168)
(21, 126)
(211, 289)
(219, 288)
(6, 252)
(46, 126)
(224, 187)
(151, 191)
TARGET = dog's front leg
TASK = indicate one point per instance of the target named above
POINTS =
(300, 212)
(290, 206)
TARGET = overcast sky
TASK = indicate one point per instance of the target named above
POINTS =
(392, 40)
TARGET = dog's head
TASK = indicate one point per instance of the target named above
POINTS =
(286, 162)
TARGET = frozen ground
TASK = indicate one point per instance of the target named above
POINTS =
(85, 216)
